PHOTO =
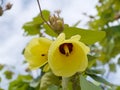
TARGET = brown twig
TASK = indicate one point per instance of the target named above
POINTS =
(42, 14)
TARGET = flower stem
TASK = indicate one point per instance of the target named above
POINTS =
(76, 82)
(65, 83)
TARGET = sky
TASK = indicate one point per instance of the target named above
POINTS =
(12, 39)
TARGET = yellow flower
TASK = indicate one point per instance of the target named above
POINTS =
(36, 52)
(66, 57)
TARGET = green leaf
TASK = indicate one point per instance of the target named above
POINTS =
(86, 85)
(100, 79)
(0, 79)
(112, 67)
(91, 61)
(49, 31)
(118, 61)
(38, 19)
(118, 88)
(35, 82)
(52, 87)
(8, 74)
(47, 80)
(21, 83)
(33, 27)
(111, 44)
(46, 14)
(95, 71)
(1, 88)
(93, 75)
(113, 31)
(87, 36)
(1, 66)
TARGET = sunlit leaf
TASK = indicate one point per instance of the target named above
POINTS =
(21, 83)
(100, 79)
(49, 31)
(33, 27)
(91, 61)
(86, 85)
(46, 15)
(118, 88)
(87, 36)
(35, 82)
(95, 71)
(8, 74)
(48, 79)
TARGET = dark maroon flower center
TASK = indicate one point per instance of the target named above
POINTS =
(66, 48)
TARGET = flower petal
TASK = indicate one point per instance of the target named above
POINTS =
(36, 52)
(70, 59)
(76, 37)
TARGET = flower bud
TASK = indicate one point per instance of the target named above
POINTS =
(8, 6)
(1, 11)
(56, 23)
